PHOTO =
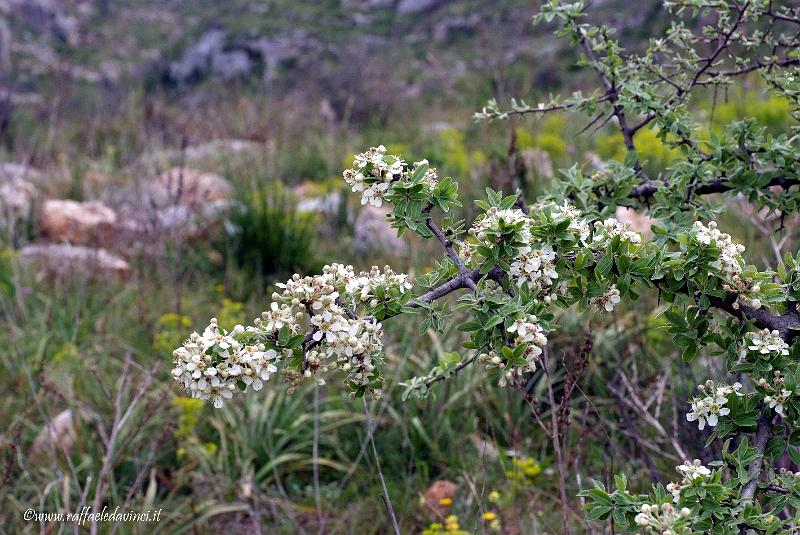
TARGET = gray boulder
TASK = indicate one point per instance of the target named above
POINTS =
(411, 7)
(198, 59)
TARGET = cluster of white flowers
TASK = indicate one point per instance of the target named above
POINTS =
(709, 407)
(349, 341)
(608, 300)
(776, 401)
(535, 267)
(730, 260)
(766, 342)
(215, 364)
(663, 519)
(605, 231)
(374, 171)
(487, 229)
(364, 285)
(210, 365)
(577, 224)
(692, 471)
(528, 331)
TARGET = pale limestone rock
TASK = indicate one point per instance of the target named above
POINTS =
(58, 260)
(78, 223)
(189, 187)
(373, 233)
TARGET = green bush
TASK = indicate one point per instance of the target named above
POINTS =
(266, 236)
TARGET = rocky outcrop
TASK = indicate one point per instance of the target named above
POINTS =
(374, 234)
(10, 171)
(188, 187)
(47, 16)
(412, 7)
(59, 260)
(78, 223)
(196, 60)
(226, 57)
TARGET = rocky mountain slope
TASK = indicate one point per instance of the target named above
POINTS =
(348, 49)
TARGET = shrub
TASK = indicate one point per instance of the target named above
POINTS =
(521, 269)
(267, 237)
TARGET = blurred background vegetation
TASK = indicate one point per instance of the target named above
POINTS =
(165, 162)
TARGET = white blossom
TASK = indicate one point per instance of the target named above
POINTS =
(730, 260)
(487, 228)
(711, 405)
(776, 402)
(530, 333)
(692, 472)
(766, 342)
(536, 268)
(210, 365)
(608, 300)
(607, 230)
(374, 171)
(216, 364)
(662, 519)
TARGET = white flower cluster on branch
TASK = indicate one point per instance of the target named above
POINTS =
(730, 260)
(533, 262)
(529, 333)
(765, 342)
(663, 519)
(309, 320)
(608, 300)
(692, 472)
(711, 404)
(210, 365)
(374, 171)
(605, 231)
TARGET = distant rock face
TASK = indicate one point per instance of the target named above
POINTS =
(212, 54)
(272, 51)
(410, 7)
(189, 187)
(449, 26)
(230, 65)
(63, 259)
(78, 223)
(374, 234)
(46, 16)
(196, 60)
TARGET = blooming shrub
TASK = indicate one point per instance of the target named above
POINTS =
(517, 264)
